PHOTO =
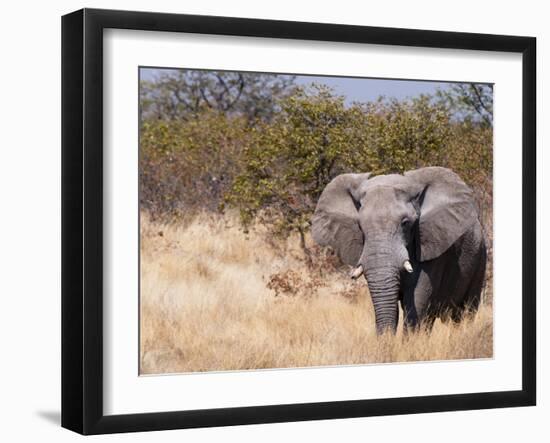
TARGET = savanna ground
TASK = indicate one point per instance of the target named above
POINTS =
(214, 298)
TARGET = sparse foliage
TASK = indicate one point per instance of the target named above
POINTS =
(182, 94)
(472, 102)
(185, 166)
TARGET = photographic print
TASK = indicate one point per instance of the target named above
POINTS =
(292, 221)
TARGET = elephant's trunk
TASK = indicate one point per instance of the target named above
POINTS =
(384, 289)
(383, 261)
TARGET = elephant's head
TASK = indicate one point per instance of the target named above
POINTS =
(386, 226)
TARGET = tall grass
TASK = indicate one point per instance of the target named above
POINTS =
(214, 298)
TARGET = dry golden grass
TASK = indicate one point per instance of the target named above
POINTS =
(208, 303)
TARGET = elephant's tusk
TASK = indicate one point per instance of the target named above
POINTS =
(357, 272)
(408, 267)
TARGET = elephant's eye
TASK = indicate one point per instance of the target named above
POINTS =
(406, 222)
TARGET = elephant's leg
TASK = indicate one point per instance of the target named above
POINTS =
(473, 294)
(416, 298)
(472, 261)
(423, 294)
(410, 317)
(465, 294)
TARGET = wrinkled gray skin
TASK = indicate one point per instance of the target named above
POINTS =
(427, 216)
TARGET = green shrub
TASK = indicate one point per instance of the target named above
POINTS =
(316, 137)
(190, 165)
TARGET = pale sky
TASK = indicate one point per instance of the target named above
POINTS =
(366, 89)
(353, 89)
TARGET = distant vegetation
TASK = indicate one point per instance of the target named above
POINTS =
(261, 144)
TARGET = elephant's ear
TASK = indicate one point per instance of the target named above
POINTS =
(447, 210)
(335, 222)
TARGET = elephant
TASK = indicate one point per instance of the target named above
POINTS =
(415, 237)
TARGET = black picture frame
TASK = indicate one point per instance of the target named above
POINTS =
(82, 218)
